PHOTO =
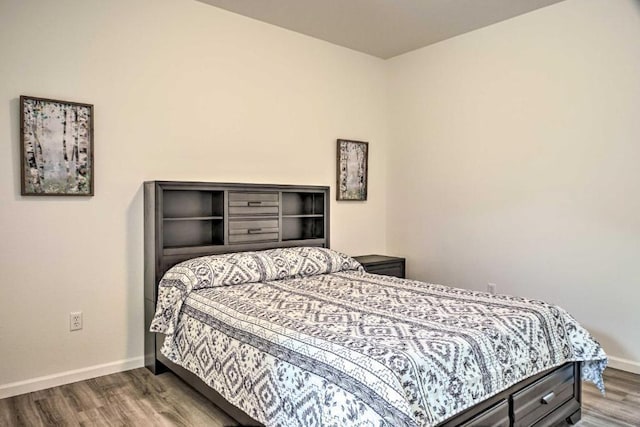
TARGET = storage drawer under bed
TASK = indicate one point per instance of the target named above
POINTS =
(496, 416)
(544, 396)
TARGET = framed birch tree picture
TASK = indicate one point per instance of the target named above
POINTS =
(56, 139)
(353, 157)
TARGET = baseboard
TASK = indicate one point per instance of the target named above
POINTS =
(68, 377)
(624, 364)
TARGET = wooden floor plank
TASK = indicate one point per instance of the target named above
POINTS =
(621, 402)
(592, 420)
(137, 397)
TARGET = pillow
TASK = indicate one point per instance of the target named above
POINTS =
(273, 264)
(231, 269)
(237, 268)
(309, 261)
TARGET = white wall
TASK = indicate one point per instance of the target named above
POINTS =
(182, 91)
(514, 159)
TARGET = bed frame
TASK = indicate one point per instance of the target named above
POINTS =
(549, 398)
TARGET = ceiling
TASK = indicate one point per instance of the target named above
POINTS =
(383, 28)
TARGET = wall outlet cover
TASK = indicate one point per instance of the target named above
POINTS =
(75, 320)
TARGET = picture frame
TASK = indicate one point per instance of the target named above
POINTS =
(352, 170)
(56, 147)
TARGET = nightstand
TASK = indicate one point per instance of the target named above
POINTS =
(381, 264)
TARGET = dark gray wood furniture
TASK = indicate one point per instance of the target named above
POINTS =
(382, 264)
(551, 398)
(184, 220)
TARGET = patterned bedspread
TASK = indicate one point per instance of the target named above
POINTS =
(327, 344)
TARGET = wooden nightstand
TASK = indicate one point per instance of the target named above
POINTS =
(381, 264)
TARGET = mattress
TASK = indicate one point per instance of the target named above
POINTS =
(306, 337)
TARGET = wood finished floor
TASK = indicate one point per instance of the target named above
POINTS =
(138, 398)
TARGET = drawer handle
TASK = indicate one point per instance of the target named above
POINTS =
(548, 398)
(254, 230)
(254, 203)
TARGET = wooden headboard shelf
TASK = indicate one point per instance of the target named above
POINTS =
(184, 220)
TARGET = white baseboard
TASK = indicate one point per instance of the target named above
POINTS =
(624, 364)
(68, 377)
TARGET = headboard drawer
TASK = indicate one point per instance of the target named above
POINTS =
(249, 203)
(253, 237)
(253, 230)
(253, 210)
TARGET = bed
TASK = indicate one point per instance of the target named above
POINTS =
(304, 336)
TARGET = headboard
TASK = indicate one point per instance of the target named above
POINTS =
(184, 220)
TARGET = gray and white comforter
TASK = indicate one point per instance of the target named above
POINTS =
(305, 337)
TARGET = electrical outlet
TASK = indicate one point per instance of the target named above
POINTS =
(491, 288)
(75, 320)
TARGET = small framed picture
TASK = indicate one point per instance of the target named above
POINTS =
(56, 141)
(352, 170)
